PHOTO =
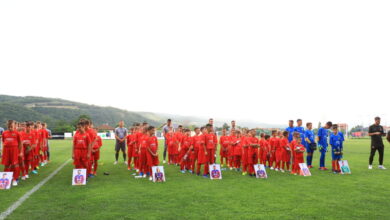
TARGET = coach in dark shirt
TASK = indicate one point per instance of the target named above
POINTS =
(376, 132)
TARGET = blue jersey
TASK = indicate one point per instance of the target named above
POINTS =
(336, 141)
(301, 130)
(290, 131)
(309, 134)
(323, 137)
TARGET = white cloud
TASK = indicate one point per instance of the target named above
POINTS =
(267, 61)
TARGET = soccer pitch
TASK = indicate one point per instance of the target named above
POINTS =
(363, 195)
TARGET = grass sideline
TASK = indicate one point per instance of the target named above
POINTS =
(362, 195)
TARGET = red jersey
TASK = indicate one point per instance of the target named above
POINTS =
(196, 141)
(131, 139)
(152, 143)
(81, 141)
(11, 138)
(144, 141)
(28, 139)
(186, 142)
(283, 143)
(299, 150)
(98, 142)
(224, 141)
(210, 141)
(274, 142)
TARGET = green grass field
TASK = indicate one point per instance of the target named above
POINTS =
(363, 195)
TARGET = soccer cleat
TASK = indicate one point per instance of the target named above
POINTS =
(14, 183)
(190, 171)
(382, 167)
(276, 169)
(205, 176)
(128, 168)
(310, 166)
(34, 172)
(116, 162)
(150, 178)
(231, 168)
(370, 167)
(164, 161)
(281, 170)
(271, 168)
(23, 178)
(183, 171)
(125, 163)
(27, 176)
(144, 176)
(244, 173)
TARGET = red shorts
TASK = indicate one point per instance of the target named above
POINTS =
(10, 155)
(287, 156)
(224, 152)
(28, 155)
(245, 156)
(130, 151)
(279, 154)
(202, 158)
(152, 160)
(96, 155)
(80, 157)
(194, 154)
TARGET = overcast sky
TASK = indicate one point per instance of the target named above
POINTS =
(266, 61)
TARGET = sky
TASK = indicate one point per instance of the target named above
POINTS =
(265, 61)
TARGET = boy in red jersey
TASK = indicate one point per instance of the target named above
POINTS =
(177, 138)
(196, 142)
(143, 166)
(45, 137)
(268, 150)
(278, 154)
(210, 144)
(273, 141)
(170, 145)
(137, 133)
(293, 144)
(298, 157)
(253, 151)
(82, 148)
(263, 150)
(28, 141)
(185, 146)
(231, 149)
(97, 144)
(237, 149)
(92, 136)
(283, 157)
(131, 141)
(152, 150)
(245, 148)
(203, 154)
(224, 143)
(12, 150)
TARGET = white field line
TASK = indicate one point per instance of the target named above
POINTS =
(20, 201)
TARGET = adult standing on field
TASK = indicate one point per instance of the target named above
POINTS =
(120, 143)
(376, 132)
(167, 127)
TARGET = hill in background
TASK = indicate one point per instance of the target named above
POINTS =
(59, 113)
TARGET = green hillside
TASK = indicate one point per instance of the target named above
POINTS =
(57, 112)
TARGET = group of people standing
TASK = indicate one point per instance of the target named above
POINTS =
(25, 148)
